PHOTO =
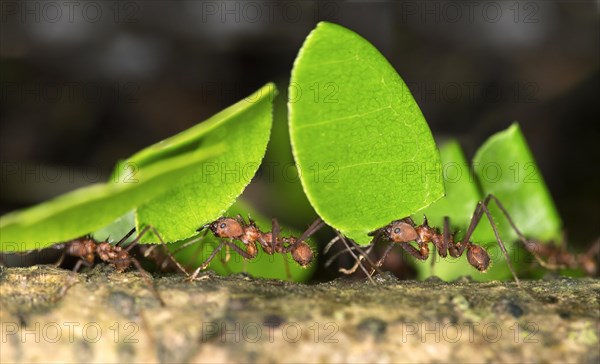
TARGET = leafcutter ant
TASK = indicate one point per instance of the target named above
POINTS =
(405, 231)
(556, 256)
(120, 257)
(228, 230)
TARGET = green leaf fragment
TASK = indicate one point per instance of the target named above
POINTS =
(364, 151)
(205, 194)
(89, 208)
(506, 168)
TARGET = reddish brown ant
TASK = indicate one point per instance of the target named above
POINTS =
(87, 249)
(405, 231)
(228, 230)
(556, 256)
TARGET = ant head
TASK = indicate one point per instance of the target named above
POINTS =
(302, 254)
(226, 227)
(400, 232)
(478, 257)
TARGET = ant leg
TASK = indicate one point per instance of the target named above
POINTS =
(146, 277)
(364, 255)
(432, 264)
(477, 214)
(166, 249)
(225, 265)
(313, 228)
(60, 260)
(286, 265)
(337, 254)
(227, 254)
(72, 277)
(328, 247)
(331, 244)
(139, 237)
(206, 262)
(188, 243)
(274, 233)
(502, 247)
(77, 266)
(414, 251)
(128, 235)
(239, 250)
(528, 245)
(275, 230)
(355, 266)
(362, 267)
(183, 246)
(382, 259)
(443, 249)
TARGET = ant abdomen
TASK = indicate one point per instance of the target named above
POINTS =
(302, 254)
(478, 257)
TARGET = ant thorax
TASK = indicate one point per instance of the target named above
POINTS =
(250, 235)
(266, 241)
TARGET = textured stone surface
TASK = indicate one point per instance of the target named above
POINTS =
(49, 314)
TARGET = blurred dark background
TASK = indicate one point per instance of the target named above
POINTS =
(86, 83)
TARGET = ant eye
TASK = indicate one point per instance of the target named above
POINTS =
(397, 230)
(223, 226)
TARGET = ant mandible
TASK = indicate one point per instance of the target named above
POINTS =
(405, 231)
(228, 229)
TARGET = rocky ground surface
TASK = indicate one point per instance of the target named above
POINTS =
(49, 314)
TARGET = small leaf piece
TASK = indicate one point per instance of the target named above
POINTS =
(362, 146)
(204, 195)
(505, 167)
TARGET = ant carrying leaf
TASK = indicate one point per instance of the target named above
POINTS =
(229, 231)
(117, 255)
(403, 232)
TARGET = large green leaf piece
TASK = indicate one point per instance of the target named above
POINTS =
(264, 265)
(364, 151)
(506, 168)
(204, 195)
(89, 208)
